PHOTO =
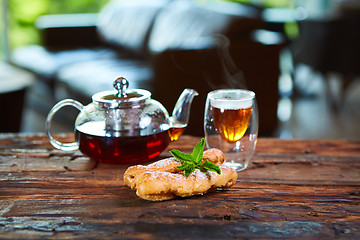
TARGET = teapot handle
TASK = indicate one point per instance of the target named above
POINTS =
(59, 145)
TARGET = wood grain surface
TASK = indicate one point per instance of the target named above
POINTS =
(293, 189)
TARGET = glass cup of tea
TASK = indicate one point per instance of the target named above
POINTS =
(231, 125)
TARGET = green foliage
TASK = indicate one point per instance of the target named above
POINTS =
(77, 6)
(291, 30)
(22, 16)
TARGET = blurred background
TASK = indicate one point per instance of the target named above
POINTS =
(301, 57)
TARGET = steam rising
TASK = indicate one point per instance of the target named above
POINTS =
(233, 76)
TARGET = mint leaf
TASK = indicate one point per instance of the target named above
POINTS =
(211, 167)
(192, 161)
(183, 157)
(189, 169)
(198, 151)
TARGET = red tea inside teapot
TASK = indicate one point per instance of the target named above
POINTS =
(95, 143)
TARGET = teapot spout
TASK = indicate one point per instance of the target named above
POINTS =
(181, 112)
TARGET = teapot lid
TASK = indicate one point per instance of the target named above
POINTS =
(121, 97)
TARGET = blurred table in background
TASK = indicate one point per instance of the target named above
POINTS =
(330, 45)
(14, 83)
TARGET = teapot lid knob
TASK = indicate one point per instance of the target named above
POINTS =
(121, 97)
(121, 84)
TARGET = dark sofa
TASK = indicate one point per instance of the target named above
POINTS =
(163, 46)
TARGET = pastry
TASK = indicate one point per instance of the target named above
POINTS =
(162, 180)
(169, 165)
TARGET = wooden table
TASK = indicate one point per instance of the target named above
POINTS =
(293, 189)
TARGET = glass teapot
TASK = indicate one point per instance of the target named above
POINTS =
(124, 126)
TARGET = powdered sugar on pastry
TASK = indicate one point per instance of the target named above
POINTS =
(165, 165)
(162, 180)
(159, 186)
